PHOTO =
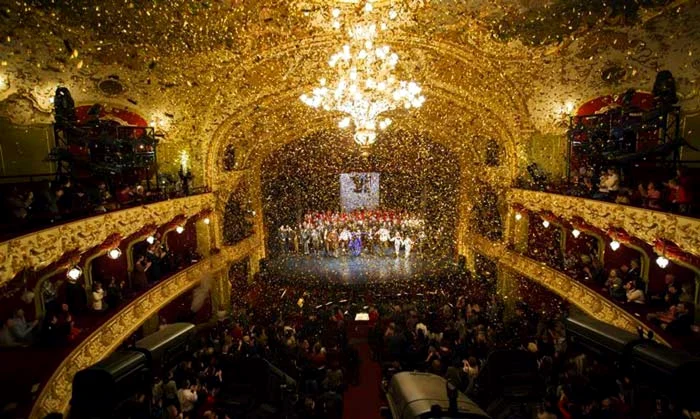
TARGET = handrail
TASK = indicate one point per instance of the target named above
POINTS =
(41, 248)
(645, 224)
(568, 288)
(55, 395)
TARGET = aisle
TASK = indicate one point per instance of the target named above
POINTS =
(363, 401)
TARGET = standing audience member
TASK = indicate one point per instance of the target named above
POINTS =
(98, 296)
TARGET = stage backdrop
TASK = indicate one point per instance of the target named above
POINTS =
(359, 191)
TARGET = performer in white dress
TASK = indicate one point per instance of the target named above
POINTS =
(345, 237)
(384, 238)
(397, 243)
(407, 244)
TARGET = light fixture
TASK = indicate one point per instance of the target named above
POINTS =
(575, 232)
(114, 253)
(4, 82)
(364, 85)
(74, 273)
(518, 216)
(614, 245)
(184, 161)
(662, 262)
(179, 229)
(545, 223)
(569, 107)
(207, 221)
(150, 240)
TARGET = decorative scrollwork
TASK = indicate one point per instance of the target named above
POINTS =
(56, 394)
(646, 225)
(39, 249)
(573, 291)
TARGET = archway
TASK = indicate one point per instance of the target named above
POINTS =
(415, 175)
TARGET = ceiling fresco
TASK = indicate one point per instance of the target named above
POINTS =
(210, 73)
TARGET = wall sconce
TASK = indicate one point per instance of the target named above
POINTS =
(662, 262)
(518, 216)
(614, 245)
(4, 82)
(150, 240)
(74, 273)
(179, 229)
(575, 232)
(545, 223)
(207, 221)
(114, 253)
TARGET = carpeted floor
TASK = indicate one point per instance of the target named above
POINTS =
(363, 401)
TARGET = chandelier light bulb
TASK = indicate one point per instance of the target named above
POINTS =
(545, 223)
(575, 232)
(179, 229)
(614, 245)
(518, 216)
(369, 7)
(393, 14)
(74, 273)
(150, 240)
(336, 12)
(662, 262)
(114, 253)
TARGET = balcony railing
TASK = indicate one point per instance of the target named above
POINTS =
(56, 392)
(576, 293)
(645, 224)
(39, 249)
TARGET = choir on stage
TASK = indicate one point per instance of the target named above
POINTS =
(365, 232)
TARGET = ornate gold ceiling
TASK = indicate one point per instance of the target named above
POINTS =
(231, 71)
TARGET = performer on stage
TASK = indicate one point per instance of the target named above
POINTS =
(306, 238)
(384, 238)
(294, 239)
(422, 237)
(356, 243)
(333, 239)
(407, 244)
(397, 243)
(345, 237)
(316, 240)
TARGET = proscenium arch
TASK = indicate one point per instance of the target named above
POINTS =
(505, 95)
(450, 133)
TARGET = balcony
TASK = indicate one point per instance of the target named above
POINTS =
(101, 335)
(586, 296)
(644, 224)
(37, 250)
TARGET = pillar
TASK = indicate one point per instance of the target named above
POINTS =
(517, 230)
(220, 292)
(255, 195)
(507, 288)
(204, 236)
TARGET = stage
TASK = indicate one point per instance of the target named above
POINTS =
(359, 270)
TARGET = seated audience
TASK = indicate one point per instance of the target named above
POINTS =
(651, 196)
(634, 294)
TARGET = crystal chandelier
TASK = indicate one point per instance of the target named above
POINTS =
(363, 85)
